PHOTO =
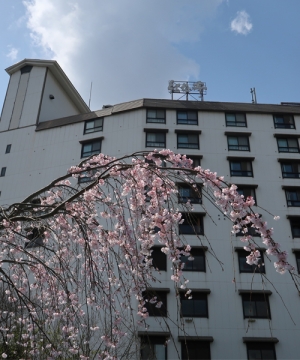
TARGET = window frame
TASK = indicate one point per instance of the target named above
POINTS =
(258, 346)
(188, 121)
(152, 340)
(8, 148)
(162, 295)
(156, 122)
(195, 195)
(193, 253)
(91, 142)
(188, 144)
(245, 268)
(288, 192)
(197, 346)
(297, 258)
(94, 129)
(288, 148)
(235, 122)
(285, 124)
(241, 172)
(188, 227)
(197, 295)
(156, 132)
(294, 165)
(251, 188)
(295, 226)
(3, 172)
(195, 158)
(256, 298)
(238, 147)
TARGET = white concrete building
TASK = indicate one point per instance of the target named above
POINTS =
(46, 127)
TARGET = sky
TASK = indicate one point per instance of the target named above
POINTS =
(130, 49)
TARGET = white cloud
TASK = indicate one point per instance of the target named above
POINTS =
(12, 53)
(128, 48)
(242, 23)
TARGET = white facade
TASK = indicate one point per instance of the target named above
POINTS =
(46, 138)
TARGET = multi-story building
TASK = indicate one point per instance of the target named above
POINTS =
(236, 311)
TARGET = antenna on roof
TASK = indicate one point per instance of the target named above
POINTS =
(253, 93)
(90, 94)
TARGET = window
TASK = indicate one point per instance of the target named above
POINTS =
(239, 143)
(241, 168)
(87, 176)
(295, 226)
(91, 148)
(156, 116)
(94, 125)
(246, 268)
(256, 305)
(251, 231)
(196, 306)
(156, 139)
(8, 147)
(290, 170)
(35, 237)
(153, 348)
(195, 350)
(293, 196)
(187, 117)
(156, 302)
(189, 193)
(238, 120)
(159, 259)
(289, 145)
(187, 141)
(246, 191)
(193, 224)
(297, 255)
(284, 122)
(196, 160)
(261, 350)
(3, 171)
(194, 262)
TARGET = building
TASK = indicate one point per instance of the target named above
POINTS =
(46, 127)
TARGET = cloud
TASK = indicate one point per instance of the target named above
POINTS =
(242, 23)
(128, 48)
(13, 53)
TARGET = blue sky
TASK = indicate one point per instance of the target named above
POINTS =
(131, 48)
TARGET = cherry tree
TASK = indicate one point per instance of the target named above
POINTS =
(75, 256)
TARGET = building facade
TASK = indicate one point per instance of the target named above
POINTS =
(237, 311)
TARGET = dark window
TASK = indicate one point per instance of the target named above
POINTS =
(86, 176)
(8, 147)
(196, 160)
(156, 116)
(156, 302)
(91, 148)
(246, 191)
(195, 350)
(284, 122)
(241, 168)
(193, 224)
(290, 170)
(239, 143)
(295, 227)
(189, 193)
(159, 259)
(187, 141)
(251, 231)
(187, 117)
(95, 125)
(256, 306)
(194, 307)
(3, 171)
(236, 120)
(153, 348)
(289, 145)
(261, 350)
(293, 197)
(297, 255)
(155, 139)
(246, 268)
(194, 262)
(35, 237)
